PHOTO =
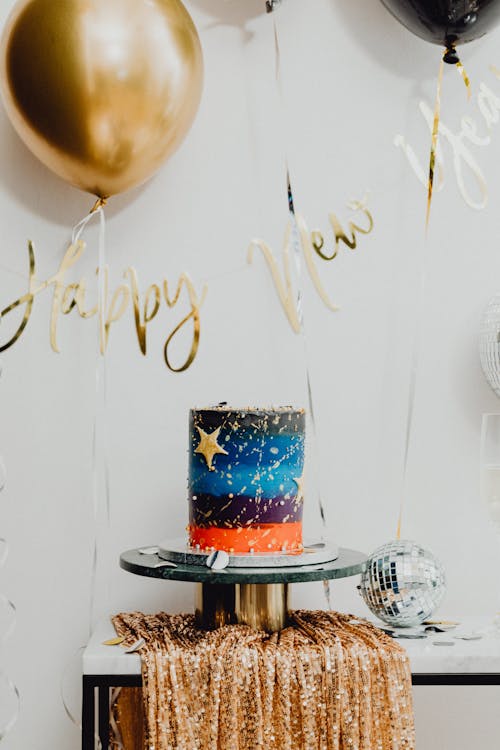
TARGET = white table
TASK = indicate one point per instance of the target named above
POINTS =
(471, 662)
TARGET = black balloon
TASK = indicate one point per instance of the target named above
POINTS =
(446, 22)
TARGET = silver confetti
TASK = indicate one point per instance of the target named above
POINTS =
(398, 634)
(218, 560)
(439, 628)
(135, 646)
(316, 545)
(468, 637)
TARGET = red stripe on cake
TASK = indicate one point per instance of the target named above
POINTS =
(273, 537)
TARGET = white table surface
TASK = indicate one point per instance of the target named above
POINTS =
(463, 657)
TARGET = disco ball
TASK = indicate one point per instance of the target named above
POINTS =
(489, 344)
(402, 583)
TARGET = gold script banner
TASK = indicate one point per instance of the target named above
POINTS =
(312, 245)
(461, 143)
(69, 296)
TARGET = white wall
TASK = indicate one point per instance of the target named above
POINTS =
(353, 79)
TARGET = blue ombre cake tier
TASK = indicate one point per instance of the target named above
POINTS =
(246, 475)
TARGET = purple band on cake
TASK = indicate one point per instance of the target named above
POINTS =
(207, 510)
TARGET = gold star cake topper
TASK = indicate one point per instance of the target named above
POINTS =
(209, 447)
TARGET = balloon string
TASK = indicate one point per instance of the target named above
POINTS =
(410, 412)
(434, 142)
(100, 472)
(465, 78)
(451, 57)
(99, 442)
(415, 357)
(100, 203)
(297, 250)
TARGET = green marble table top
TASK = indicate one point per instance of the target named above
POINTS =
(349, 563)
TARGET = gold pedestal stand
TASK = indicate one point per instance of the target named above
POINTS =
(263, 606)
(255, 596)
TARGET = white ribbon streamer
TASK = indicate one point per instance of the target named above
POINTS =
(3, 472)
(9, 607)
(9, 725)
(9, 684)
(5, 551)
(297, 254)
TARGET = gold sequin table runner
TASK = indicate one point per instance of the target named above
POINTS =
(326, 682)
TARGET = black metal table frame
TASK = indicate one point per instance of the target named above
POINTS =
(96, 694)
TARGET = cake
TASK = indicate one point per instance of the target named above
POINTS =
(246, 479)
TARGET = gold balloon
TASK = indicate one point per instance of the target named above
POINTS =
(101, 91)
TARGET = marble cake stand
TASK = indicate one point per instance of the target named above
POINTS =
(254, 596)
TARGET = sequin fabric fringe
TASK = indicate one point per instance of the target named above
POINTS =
(327, 682)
